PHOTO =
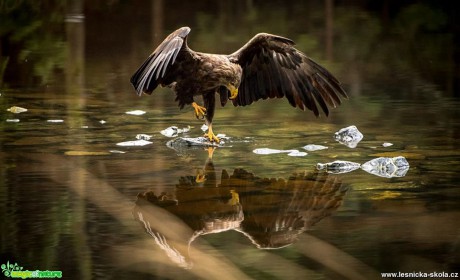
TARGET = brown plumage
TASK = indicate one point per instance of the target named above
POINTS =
(268, 66)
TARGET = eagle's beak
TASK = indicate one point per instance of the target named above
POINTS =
(233, 91)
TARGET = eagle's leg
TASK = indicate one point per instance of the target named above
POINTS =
(210, 134)
(200, 111)
(210, 102)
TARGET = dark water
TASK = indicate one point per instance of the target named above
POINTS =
(75, 201)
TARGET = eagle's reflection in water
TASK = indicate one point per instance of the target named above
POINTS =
(271, 212)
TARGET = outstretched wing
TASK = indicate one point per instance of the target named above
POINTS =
(272, 67)
(149, 75)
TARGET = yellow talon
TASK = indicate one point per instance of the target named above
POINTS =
(200, 176)
(212, 137)
(200, 111)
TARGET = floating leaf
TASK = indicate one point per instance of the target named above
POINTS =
(313, 147)
(387, 167)
(16, 110)
(269, 151)
(143, 137)
(174, 131)
(134, 143)
(349, 136)
(296, 153)
(136, 112)
(117, 152)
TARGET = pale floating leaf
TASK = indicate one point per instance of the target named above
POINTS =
(12, 120)
(296, 153)
(16, 110)
(266, 151)
(136, 112)
(386, 144)
(269, 151)
(349, 136)
(134, 143)
(143, 137)
(117, 152)
(55, 121)
(387, 167)
(313, 147)
(174, 131)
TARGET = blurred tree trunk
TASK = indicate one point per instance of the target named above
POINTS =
(75, 33)
(75, 86)
(157, 22)
(329, 13)
(157, 33)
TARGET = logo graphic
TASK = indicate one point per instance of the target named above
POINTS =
(15, 271)
(9, 267)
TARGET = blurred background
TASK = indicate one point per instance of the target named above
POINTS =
(367, 43)
(71, 199)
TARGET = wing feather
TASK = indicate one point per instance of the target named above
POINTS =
(329, 95)
(319, 98)
(272, 67)
(155, 67)
(261, 82)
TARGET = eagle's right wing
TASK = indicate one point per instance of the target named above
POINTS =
(149, 75)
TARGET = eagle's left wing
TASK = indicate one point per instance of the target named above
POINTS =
(272, 67)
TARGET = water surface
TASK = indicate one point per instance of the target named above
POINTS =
(73, 200)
